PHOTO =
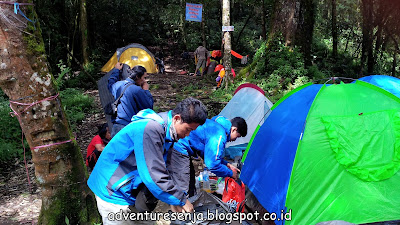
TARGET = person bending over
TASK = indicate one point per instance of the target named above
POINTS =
(131, 172)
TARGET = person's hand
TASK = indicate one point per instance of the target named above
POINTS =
(188, 207)
(118, 65)
(145, 86)
(235, 171)
(176, 208)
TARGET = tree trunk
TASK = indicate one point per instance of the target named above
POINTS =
(203, 33)
(304, 34)
(394, 64)
(334, 30)
(182, 25)
(227, 42)
(263, 23)
(203, 30)
(59, 168)
(241, 31)
(367, 35)
(84, 34)
(291, 14)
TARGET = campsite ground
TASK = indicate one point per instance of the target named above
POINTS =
(20, 206)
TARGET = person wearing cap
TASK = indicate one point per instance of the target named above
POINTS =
(135, 98)
(208, 142)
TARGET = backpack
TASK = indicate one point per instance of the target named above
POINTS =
(112, 107)
(92, 158)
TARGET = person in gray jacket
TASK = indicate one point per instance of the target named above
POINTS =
(131, 171)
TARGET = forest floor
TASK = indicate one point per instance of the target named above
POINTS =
(19, 205)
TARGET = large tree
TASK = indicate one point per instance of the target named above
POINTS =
(25, 78)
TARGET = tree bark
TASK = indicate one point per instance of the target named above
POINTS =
(394, 64)
(304, 31)
(59, 168)
(263, 21)
(182, 25)
(334, 30)
(203, 33)
(203, 30)
(367, 37)
(84, 34)
(241, 31)
(227, 42)
(291, 14)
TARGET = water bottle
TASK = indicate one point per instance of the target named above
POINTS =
(206, 180)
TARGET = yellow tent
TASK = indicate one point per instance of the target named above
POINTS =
(132, 55)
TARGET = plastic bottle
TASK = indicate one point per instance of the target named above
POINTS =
(206, 180)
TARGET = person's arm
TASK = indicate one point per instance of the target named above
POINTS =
(114, 77)
(144, 99)
(99, 147)
(151, 165)
(213, 156)
(98, 143)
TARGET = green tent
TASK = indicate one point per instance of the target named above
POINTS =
(329, 152)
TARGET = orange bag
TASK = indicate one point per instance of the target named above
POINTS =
(234, 194)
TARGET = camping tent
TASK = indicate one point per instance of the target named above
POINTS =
(132, 55)
(389, 83)
(250, 103)
(329, 152)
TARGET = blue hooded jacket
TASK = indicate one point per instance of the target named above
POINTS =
(135, 155)
(208, 141)
(133, 100)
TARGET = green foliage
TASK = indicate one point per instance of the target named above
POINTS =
(76, 105)
(10, 140)
(325, 66)
(154, 86)
(190, 88)
(65, 73)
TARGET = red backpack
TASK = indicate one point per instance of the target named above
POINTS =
(234, 194)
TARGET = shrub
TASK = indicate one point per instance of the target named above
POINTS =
(10, 141)
(76, 105)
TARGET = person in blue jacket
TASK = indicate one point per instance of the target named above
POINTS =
(207, 141)
(135, 98)
(131, 170)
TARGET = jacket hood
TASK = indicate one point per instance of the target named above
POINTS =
(148, 114)
(224, 122)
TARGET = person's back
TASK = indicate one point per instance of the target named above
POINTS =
(201, 53)
(208, 141)
(118, 164)
(133, 100)
(135, 96)
(131, 171)
(97, 145)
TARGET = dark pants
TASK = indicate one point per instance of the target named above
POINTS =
(116, 128)
(145, 200)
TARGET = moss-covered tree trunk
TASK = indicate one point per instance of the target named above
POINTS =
(59, 167)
